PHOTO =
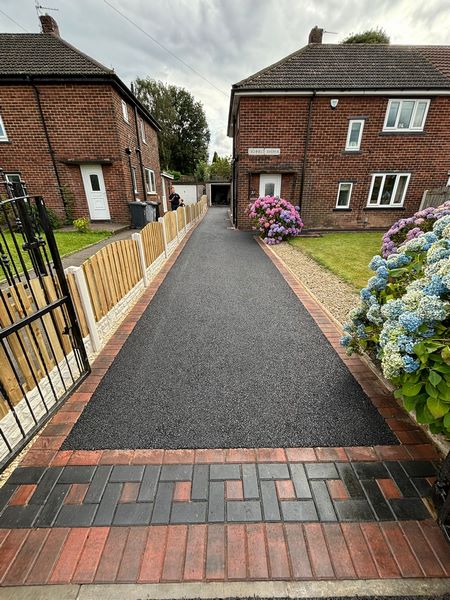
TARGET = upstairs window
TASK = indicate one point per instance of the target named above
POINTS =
(143, 131)
(150, 181)
(406, 115)
(354, 135)
(125, 111)
(344, 194)
(3, 136)
(388, 189)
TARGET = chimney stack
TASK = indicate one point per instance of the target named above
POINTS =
(315, 35)
(49, 25)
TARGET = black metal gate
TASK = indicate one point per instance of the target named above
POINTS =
(42, 355)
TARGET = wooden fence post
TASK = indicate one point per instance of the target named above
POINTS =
(161, 220)
(176, 223)
(185, 221)
(85, 299)
(138, 239)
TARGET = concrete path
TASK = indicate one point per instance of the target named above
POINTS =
(77, 258)
(224, 357)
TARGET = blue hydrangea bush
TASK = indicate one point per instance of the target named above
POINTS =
(403, 321)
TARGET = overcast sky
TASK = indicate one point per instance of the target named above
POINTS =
(224, 40)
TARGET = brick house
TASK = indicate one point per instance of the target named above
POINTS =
(72, 130)
(353, 133)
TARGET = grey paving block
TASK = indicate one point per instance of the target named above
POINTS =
(133, 514)
(422, 486)
(409, 509)
(200, 482)
(176, 473)
(223, 472)
(348, 476)
(122, 473)
(323, 501)
(216, 507)
(299, 510)
(163, 503)
(19, 516)
(354, 510)
(24, 475)
(98, 484)
(419, 468)
(273, 471)
(5, 494)
(147, 489)
(370, 470)
(271, 509)
(243, 511)
(250, 481)
(107, 506)
(77, 474)
(53, 505)
(76, 515)
(401, 479)
(377, 501)
(300, 481)
(321, 471)
(46, 485)
(188, 512)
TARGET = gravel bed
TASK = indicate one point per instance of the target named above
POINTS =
(336, 295)
(225, 356)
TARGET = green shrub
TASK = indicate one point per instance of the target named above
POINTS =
(82, 225)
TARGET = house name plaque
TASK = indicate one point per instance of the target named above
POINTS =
(264, 151)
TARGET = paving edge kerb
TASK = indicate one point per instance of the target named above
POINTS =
(258, 589)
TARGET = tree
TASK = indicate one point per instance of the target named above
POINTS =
(371, 36)
(202, 170)
(215, 157)
(184, 138)
(221, 167)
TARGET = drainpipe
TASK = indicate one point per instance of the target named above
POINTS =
(130, 166)
(49, 144)
(305, 151)
(234, 175)
(139, 152)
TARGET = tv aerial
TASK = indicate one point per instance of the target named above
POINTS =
(40, 8)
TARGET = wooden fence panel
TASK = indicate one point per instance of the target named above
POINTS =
(153, 242)
(171, 225)
(110, 274)
(180, 217)
(77, 303)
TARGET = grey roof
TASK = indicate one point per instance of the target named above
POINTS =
(356, 66)
(40, 54)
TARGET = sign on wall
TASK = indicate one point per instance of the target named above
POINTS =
(264, 151)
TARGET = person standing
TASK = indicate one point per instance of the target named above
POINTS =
(174, 199)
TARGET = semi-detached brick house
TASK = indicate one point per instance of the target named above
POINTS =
(353, 133)
(72, 130)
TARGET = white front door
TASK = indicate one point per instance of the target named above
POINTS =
(164, 195)
(270, 185)
(94, 186)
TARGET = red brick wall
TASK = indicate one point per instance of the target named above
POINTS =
(85, 123)
(281, 122)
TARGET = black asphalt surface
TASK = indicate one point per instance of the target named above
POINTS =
(225, 356)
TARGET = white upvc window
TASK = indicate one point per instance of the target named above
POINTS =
(270, 185)
(125, 111)
(344, 194)
(142, 130)
(3, 136)
(406, 115)
(388, 189)
(134, 180)
(354, 135)
(448, 180)
(150, 181)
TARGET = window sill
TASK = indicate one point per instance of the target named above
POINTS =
(384, 208)
(5, 141)
(335, 209)
(399, 132)
(351, 152)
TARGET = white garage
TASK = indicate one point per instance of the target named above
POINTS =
(190, 192)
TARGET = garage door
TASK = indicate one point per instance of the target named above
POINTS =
(187, 192)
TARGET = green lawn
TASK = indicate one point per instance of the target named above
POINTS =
(345, 254)
(68, 242)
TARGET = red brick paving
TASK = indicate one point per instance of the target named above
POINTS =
(218, 552)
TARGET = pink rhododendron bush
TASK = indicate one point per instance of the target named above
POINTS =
(275, 219)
